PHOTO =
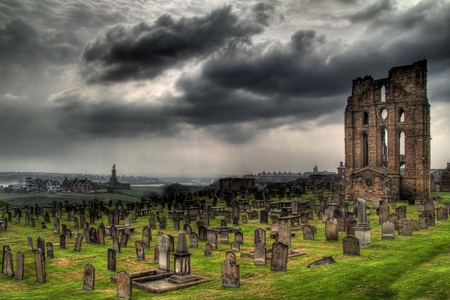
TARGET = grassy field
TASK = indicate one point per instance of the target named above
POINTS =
(408, 267)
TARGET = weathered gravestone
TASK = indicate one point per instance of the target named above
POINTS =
(388, 230)
(124, 285)
(239, 237)
(441, 214)
(39, 259)
(235, 246)
(224, 237)
(140, 254)
(146, 236)
(331, 230)
(62, 241)
(20, 261)
(350, 245)
(404, 227)
(202, 233)
(111, 259)
(401, 212)
(193, 240)
(259, 237)
(78, 241)
(383, 213)
(308, 232)
(284, 235)
(231, 256)
(7, 262)
(208, 250)
(164, 253)
(89, 277)
(30, 243)
(260, 255)
(230, 275)
(49, 247)
(326, 260)
(124, 239)
(279, 258)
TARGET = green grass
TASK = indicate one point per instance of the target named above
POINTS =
(408, 267)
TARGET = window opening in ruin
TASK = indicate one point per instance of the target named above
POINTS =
(402, 146)
(384, 114)
(384, 147)
(402, 115)
(365, 152)
(365, 118)
(383, 93)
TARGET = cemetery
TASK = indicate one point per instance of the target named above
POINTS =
(90, 248)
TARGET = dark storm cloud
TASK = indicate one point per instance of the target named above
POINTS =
(244, 89)
(146, 50)
(372, 11)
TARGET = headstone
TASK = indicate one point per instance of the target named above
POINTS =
(140, 254)
(331, 229)
(239, 237)
(146, 236)
(7, 262)
(388, 230)
(78, 241)
(62, 241)
(401, 212)
(383, 213)
(208, 250)
(279, 259)
(164, 251)
(124, 285)
(49, 247)
(202, 233)
(259, 237)
(89, 277)
(308, 232)
(20, 262)
(193, 240)
(30, 243)
(350, 245)
(124, 239)
(264, 217)
(39, 259)
(404, 227)
(235, 246)
(111, 259)
(284, 235)
(351, 226)
(230, 275)
(212, 239)
(260, 255)
(224, 238)
(441, 214)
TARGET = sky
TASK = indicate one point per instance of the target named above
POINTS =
(218, 87)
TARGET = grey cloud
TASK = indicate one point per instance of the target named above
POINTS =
(144, 50)
(372, 11)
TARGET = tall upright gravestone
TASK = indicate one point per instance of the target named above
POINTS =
(362, 229)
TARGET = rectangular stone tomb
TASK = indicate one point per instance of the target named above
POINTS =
(157, 281)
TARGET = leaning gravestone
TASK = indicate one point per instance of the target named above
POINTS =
(284, 235)
(7, 262)
(350, 245)
(230, 275)
(89, 277)
(40, 265)
(279, 259)
(78, 241)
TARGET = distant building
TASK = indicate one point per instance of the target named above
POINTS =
(236, 184)
(286, 177)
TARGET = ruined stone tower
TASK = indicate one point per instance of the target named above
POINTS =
(387, 136)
